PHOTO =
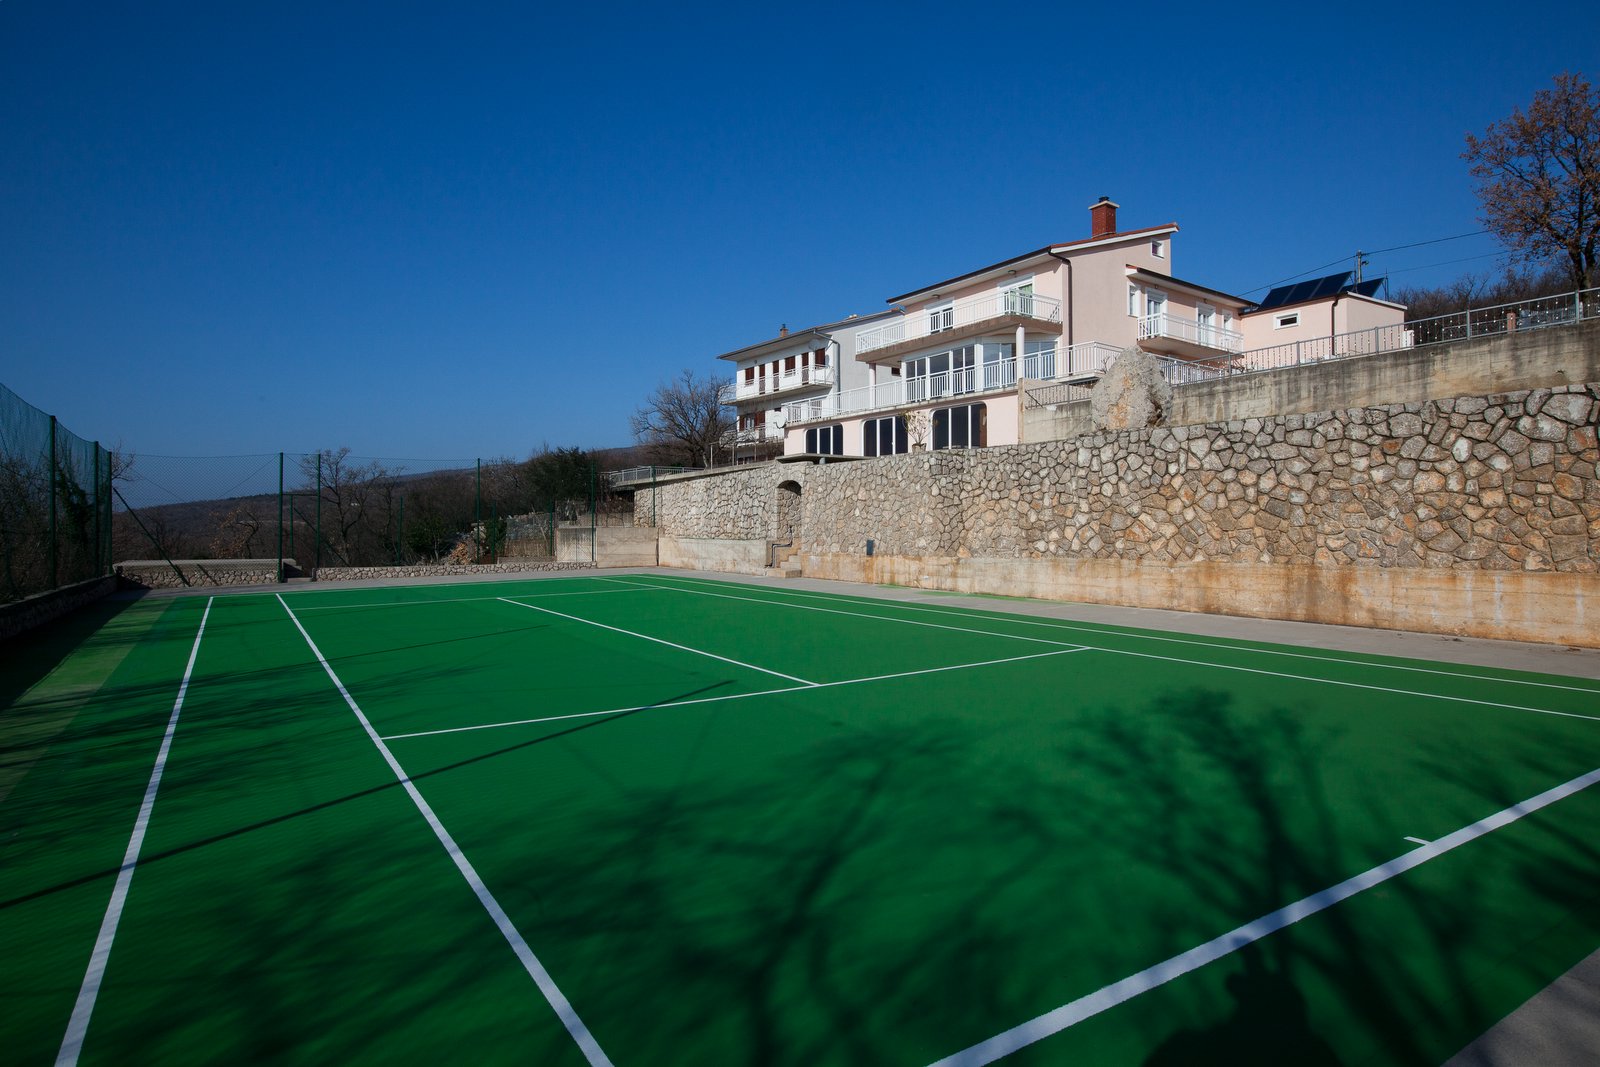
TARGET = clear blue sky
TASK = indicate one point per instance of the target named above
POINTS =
(457, 230)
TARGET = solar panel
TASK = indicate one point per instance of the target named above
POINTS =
(1315, 289)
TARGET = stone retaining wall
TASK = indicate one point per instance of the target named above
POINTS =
(1469, 515)
(158, 574)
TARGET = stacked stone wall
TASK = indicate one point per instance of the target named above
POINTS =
(1506, 482)
(1489, 505)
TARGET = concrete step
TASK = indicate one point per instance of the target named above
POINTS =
(788, 570)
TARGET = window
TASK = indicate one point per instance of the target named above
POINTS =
(749, 375)
(941, 374)
(966, 426)
(1133, 300)
(788, 363)
(941, 318)
(1016, 298)
(1158, 248)
(825, 440)
(819, 358)
(884, 437)
(1284, 321)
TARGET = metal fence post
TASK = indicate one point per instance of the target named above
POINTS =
(280, 518)
(318, 531)
(594, 520)
(477, 512)
(400, 535)
(97, 507)
(53, 576)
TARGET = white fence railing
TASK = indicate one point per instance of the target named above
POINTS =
(1543, 312)
(1192, 331)
(631, 475)
(1063, 369)
(772, 384)
(929, 321)
(1077, 361)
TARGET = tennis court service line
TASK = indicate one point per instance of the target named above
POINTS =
(1139, 635)
(451, 600)
(659, 641)
(848, 614)
(89, 991)
(1421, 694)
(530, 962)
(736, 696)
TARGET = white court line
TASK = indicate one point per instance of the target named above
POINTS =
(1419, 840)
(78, 1025)
(1070, 1014)
(1422, 694)
(659, 641)
(536, 970)
(454, 600)
(849, 614)
(735, 696)
(1137, 634)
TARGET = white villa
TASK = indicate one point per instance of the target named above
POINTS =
(946, 365)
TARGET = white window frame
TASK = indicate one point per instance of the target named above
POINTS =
(1158, 248)
(1013, 284)
(941, 317)
(1286, 321)
(1133, 301)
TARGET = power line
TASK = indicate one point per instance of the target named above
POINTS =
(1373, 252)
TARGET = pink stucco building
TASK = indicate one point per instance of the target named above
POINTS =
(946, 365)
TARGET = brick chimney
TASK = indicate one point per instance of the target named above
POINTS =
(1102, 218)
(783, 331)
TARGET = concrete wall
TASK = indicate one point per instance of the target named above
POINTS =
(1530, 359)
(1475, 515)
(625, 546)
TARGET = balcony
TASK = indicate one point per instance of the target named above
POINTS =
(1074, 363)
(774, 385)
(1186, 339)
(964, 318)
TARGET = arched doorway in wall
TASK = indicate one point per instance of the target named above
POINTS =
(788, 525)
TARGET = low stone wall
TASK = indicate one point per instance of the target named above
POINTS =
(439, 570)
(1475, 515)
(25, 614)
(158, 574)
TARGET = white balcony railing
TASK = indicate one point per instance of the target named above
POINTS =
(929, 321)
(1054, 364)
(772, 384)
(1195, 333)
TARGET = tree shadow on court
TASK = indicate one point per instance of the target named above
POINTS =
(1248, 820)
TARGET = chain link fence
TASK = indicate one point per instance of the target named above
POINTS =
(71, 510)
(55, 502)
(334, 509)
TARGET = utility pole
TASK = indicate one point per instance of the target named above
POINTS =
(1359, 264)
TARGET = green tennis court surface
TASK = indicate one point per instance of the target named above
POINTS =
(663, 819)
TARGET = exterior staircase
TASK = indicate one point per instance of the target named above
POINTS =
(784, 563)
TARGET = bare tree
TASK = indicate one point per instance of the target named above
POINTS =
(1538, 177)
(357, 505)
(683, 420)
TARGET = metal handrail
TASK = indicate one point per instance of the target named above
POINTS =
(929, 321)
